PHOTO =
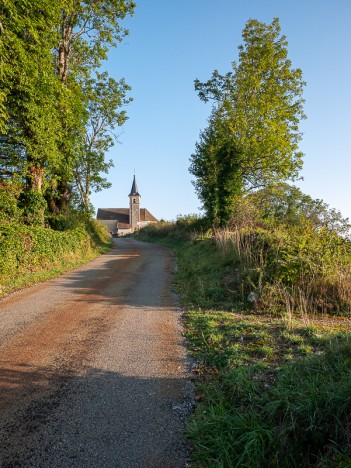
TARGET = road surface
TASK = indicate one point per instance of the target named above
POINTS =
(93, 372)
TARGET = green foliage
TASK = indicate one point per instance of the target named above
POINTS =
(285, 204)
(26, 250)
(186, 228)
(34, 206)
(88, 30)
(252, 138)
(30, 247)
(9, 195)
(28, 83)
(105, 96)
(26, 40)
(54, 117)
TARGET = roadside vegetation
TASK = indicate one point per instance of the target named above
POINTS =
(268, 327)
(264, 276)
(32, 251)
(58, 118)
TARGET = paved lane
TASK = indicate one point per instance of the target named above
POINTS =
(93, 371)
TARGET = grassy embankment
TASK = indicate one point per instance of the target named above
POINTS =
(31, 254)
(274, 375)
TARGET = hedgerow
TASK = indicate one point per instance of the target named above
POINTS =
(28, 249)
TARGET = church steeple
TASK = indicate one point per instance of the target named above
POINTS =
(134, 189)
(134, 205)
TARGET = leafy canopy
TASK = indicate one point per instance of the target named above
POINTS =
(253, 133)
(57, 112)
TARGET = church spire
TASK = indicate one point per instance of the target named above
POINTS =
(134, 206)
(134, 189)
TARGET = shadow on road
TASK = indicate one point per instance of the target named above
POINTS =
(101, 418)
(132, 273)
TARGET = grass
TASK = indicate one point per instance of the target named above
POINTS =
(272, 389)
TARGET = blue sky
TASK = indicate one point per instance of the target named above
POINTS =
(173, 42)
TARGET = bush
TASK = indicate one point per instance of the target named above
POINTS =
(34, 205)
(185, 228)
(9, 194)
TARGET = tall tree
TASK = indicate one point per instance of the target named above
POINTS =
(30, 121)
(49, 50)
(105, 98)
(255, 119)
(86, 32)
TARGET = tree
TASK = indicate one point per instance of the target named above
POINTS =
(86, 32)
(105, 97)
(49, 52)
(217, 169)
(29, 116)
(284, 203)
(254, 121)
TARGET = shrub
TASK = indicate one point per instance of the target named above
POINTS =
(34, 205)
(9, 194)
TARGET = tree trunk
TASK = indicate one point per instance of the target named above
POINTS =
(36, 178)
(63, 68)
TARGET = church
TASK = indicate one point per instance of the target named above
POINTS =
(121, 221)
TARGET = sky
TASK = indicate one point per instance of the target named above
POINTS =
(171, 43)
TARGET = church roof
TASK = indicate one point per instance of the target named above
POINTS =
(121, 215)
(134, 189)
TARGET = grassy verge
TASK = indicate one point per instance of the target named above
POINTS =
(273, 389)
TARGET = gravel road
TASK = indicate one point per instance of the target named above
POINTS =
(93, 372)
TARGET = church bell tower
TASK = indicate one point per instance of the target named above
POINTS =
(134, 206)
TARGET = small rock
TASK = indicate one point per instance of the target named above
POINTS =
(252, 297)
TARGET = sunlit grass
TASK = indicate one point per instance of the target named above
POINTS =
(273, 388)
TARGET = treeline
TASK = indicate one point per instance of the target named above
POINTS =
(58, 110)
(58, 116)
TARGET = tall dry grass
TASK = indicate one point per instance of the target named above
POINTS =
(291, 273)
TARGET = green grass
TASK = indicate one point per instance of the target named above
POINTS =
(272, 390)
(293, 415)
